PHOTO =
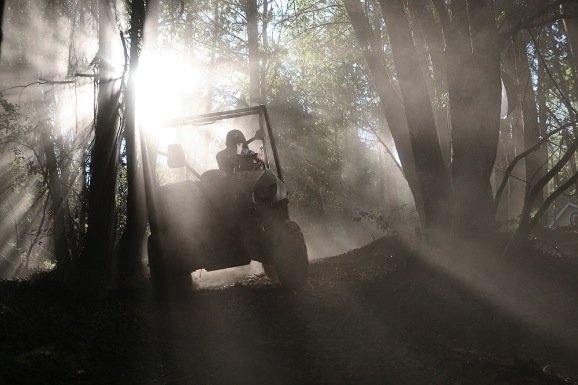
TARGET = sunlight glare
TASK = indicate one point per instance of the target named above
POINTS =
(167, 87)
(74, 109)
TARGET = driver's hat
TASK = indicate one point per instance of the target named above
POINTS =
(234, 137)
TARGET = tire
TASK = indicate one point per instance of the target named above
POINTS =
(170, 281)
(288, 254)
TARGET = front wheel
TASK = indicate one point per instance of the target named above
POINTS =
(288, 254)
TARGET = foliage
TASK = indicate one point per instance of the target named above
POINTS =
(381, 221)
(21, 171)
(321, 96)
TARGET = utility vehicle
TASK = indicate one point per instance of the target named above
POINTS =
(203, 218)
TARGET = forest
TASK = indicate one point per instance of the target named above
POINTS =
(423, 159)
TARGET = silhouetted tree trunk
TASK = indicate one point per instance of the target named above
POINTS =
(132, 244)
(433, 178)
(252, 15)
(570, 12)
(571, 28)
(570, 9)
(55, 190)
(535, 162)
(433, 37)
(518, 184)
(213, 60)
(542, 112)
(96, 261)
(1, 19)
(391, 106)
(473, 71)
(265, 53)
(502, 161)
(512, 131)
(473, 76)
(81, 210)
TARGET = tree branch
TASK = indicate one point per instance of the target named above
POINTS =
(388, 150)
(530, 195)
(525, 22)
(541, 57)
(37, 237)
(519, 157)
(536, 218)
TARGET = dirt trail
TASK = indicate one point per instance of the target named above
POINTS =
(376, 315)
(372, 316)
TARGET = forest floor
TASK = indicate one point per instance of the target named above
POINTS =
(381, 314)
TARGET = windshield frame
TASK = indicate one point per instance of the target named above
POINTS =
(209, 118)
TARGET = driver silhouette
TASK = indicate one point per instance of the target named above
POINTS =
(236, 156)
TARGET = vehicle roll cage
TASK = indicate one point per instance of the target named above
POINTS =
(261, 110)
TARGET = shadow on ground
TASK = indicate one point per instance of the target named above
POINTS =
(376, 315)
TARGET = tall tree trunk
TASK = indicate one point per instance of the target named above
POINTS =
(474, 85)
(265, 55)
(433, 178)
(1, 20)
(535, 162)
(570, 12)
(542, 153)
(391, 106)
(252, 14)
(151, 24)
(512, 130)
(570, 8)
(82, 208)
(96, 261)
(518, 185)
(61, 250)
(132, 243)
(503, 159)
(213, 60)
(432, 34)
(55, 175)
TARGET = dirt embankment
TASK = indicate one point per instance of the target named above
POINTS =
(377, 315)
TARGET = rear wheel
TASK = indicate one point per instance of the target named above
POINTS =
(170, 280)
(288, 254)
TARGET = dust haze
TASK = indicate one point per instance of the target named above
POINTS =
(345, 189)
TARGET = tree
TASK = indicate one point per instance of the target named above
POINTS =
(345, 82)
(95, 264)
(433, 178)
(570, 14)
(57, 197)
(133, 240)
(252, 15)
(520, 127)
(473, 68)
(534, 163)
(1, 33)
(473, 77)
(392, 109)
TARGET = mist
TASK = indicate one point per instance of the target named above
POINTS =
(335, 170)
(399, 203)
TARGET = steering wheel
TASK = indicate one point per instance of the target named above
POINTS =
(257, 163)
(250, 162)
